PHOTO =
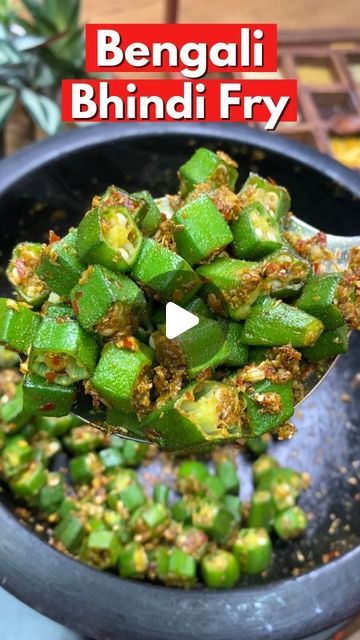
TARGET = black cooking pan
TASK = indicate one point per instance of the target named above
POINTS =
(50, 185)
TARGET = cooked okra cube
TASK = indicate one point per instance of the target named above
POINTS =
(181, 510)
(233, 504)
(268, 405)
(285, 273)
(214, 488)
(165, 273)
(62, 352)
(291, 523)
(121, 377)
(275, 199)
(206, 166)
(60, 267)
(262, 466)
(253, 549)
(227, 472)
(132, 497)
(330, 344)
(149, 521)
(181, 570)
(230, 286)
(15, 456)
(101, 549)
(109, 237)
(318, 299)
(274, 323)
(85, 467)
(262, 510)
(45, 447)
(30, 481)
(18, 325)
(52, 493)
(12, 412)
(257, 446)
(198, 307)
(83, 439)
(234, 353)
(45, 398)
(111, 458)
(161, 493)
(133, 561)
(205, 412)
(214, 518)
(119, 302)
(8, 359)
(21, 272)
(159, 563)
(191, 474)
(256, 233)
(200, 231)
(134, 453)
(70, 532)
(192, 541)
(147, 215)
(220, 569)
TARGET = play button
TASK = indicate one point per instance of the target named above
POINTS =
(178, 320)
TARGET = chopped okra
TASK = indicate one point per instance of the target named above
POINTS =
(253, 549)
(90, 320)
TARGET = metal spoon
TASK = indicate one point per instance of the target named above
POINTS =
(338, 245)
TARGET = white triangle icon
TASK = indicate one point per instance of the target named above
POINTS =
(178, 320)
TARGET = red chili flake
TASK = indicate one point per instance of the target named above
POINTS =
(51, 376)
(321, 239)
(21, 268)
(53, 237)
(48, 406)
(75, 307)
(129, 343)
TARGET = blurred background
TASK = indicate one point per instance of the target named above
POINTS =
(41, 42)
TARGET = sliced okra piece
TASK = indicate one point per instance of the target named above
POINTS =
(253, 549)
(262, 466)
(43, 398)
(268, 405)
(159, 564)
(30, 481)
(181, 570)
(60, 267)
(274, 198)
(191, 475)
(132, 497)
(291, 523)
(200, 230)
(18, 325)
(181, 510)
(284, 273)
(83, 439)
(198, 307)
(227, 472)
(70, 531)
(149, 521)
(15, 456)
(45, 447)
(115, 197)
(161, 493)
(262, 510)
(58, 311)
(111, 457)
(220, 569)
(274, 323)
(2, 441)
(283, 495)
(206, 166)
(109, 236)
(165, 273)
(233, 504)
(68, 505)
(192, 541)
(197, 417)
(213, 488)
(8, 359)
(85, 467)
(101, 549)
(256, 233)
(330, 344)
(134, 453)
(121, 377)
(62, 352)
(234, 353)
(318, 298)
(119, 525)
(119, 302)
(119, 480)
(230, 286)
(214, 518)
(21, 273)
(52, 493)
(12, 412)
(133, 561)
(148, 215)
(280, 475)
(257, 446)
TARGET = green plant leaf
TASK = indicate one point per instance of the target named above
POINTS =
(27, 42)
(8, 54)
(7, 103)
(42, 22)
(64, 15)
(44, 112)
